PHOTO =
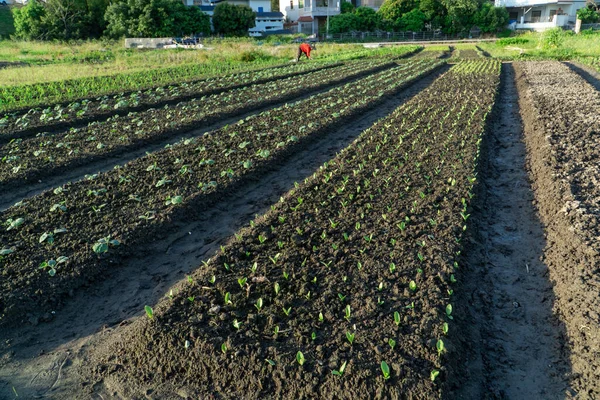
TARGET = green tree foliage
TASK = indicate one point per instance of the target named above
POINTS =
(343, 23)
(413, 20)
(346, 7)
(588, 15)
(233, 20)
(29, 21)
(60, 19)
(368, 19)
(391, 11)
(154, 18)
(460, 16)
(435, 12)
(490, 18)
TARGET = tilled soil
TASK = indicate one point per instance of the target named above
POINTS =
(356, 262)
(35, 356)
(516, 341)
(133, 203)
(562, 126)
(19, 124)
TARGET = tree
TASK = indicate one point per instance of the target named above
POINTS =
(413, 20)
(154, 18)
(588, 15)
(434, 11)
(490, 18)
(460, 15)
(29, 21)
(343, 23)
(346, 7)
(392, 10)
(368, 19)
(67, 19)
(233, 20)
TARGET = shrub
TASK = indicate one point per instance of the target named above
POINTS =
(511, 41)
(552, 38)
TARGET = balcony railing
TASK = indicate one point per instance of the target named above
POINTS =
(321, 10)
(525, 3)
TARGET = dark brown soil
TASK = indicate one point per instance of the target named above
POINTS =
(33, 159)
(131, 205)
(34, 355)
(328, 273)
(514, 341)
(561, 133)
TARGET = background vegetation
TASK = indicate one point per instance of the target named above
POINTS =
(449, 16)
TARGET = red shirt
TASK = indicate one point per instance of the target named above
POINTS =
(305, 48)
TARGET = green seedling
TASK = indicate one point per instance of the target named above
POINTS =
(14, 224)
(227, 298)
(224, 348)
(313, 336)
(237, 324)
(300, 358)
(347, 312)
(259, 304)
(434, 374)
(449, 311)
(242, 282)
(350, 337)
(412, 286)
(341, 297)
(149, 312)
(287, 311)
(321, 317)
(276, 330)
(385, 370)
(445, 328)
(271, 362)
(397, 318)
(392, 267)
(212, 280)
(340, 372)
(440, 347)
(47, 237)
(392, 343)
(277, 288)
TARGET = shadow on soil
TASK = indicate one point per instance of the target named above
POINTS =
(42, 360)
(514, 346)
(587, 73)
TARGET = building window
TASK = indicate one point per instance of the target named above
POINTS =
(300, 3)
(260, 9)
(291, 4)
(513, 15)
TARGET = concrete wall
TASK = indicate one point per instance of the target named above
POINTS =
(147, 43)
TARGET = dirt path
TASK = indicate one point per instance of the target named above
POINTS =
(43, 360)
(516, 340)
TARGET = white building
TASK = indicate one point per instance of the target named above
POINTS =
(267, 22)
(310, 15)
(540, 15)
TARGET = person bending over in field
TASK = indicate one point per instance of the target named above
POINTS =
(305, 49)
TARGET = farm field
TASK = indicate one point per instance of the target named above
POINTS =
(393, 225)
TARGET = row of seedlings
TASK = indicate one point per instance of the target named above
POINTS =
(57, 116)
(344, 289)
(60, 239)
(28, 160)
